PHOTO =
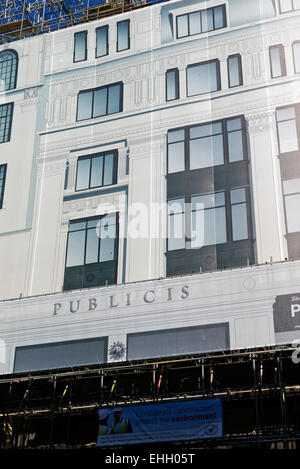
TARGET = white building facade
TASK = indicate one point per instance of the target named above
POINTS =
(150, 185)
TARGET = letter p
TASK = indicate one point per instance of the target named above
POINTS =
(295, 309)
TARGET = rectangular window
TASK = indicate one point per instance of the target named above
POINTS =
(80, 46)
(201, 21)
(6, 112)
(235, 75)
(277, 61)
(96, 170)
(209, 219)
(100, 101)
(203, 78)
(289, 5)
(296, 53)
(102, 41)
(92, 240)
(123, 35)
(207, 145)
(2, 182)
(172, 84)
(287, 129)
(176, 224)
(291, 191)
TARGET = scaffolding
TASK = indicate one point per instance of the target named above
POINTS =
(259, 389)
(24, 18)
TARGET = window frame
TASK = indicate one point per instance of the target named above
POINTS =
(297, 123)
(294, 61)
(287, 11)
(10, 121)
(218, 76)
(285, 207)
(15, 54)
(2, 189)
(94, 155)
(86, 220)
(282, 60)
(228, 216)
(177, 91)
(223, 5)
(129, 38)
(85, 33)
(240, 70)
(92, 90)
(225, 133)
(105, 27)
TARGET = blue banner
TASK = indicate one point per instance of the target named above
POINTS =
(172, 421)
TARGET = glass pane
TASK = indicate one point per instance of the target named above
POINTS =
(197, 228)
(202, 78)
(215, 226)
(288, 136)
(172, 92)
(76, 242)
(296, 49)
(176, 232)
(275, 62)
(175, 136)
(83, 174)
(286, 113)
(285, 5)
(114, 99)
(80, 46)
(195, 25)
(292, 204)
(234, 71)
(201, 202)
(93, 223)
(207, 20)
(92, 244)
(102, 41)
(234, 124)
(108, 169)
(182, 26)
(291, 186)
(206, 130)
(238, 195)
(108, 238)
(84, 106)
(123, 35)
(206, 151)
(100, 97)
(219, 15)
(176, 157)
(239, 222)
(97, 171)
(235, 146)
(296, 4)
(176, 206)
(77, 225)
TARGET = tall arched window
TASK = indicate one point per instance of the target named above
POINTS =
(8, 69)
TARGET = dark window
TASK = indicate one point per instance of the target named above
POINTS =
(100, 101)
(287, 129)
(172, 84)
(123, 35)
(92, 252)
(80, 46)
(296, 53)
(235, 74)
(2, 182)
(208, 219)
(203, 78)
(8, 70)
(96, 170)
(289, 5)
(201, 21)
(207, 145)
(277, 61)
(6, 111)
(102, 41)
